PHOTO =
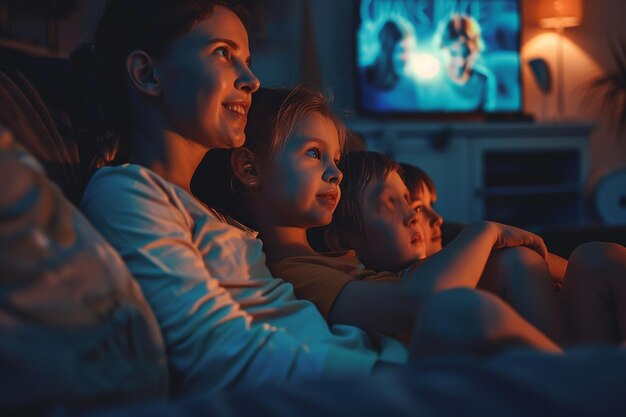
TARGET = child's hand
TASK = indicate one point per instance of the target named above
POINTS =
(509, 236)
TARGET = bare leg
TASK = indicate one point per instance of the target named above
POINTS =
(594, 294)
(522, 278)
(463, 320)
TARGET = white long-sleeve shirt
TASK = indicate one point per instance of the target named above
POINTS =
(225, 320)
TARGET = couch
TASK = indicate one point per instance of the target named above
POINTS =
(78, 338)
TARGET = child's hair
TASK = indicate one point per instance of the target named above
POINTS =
(415, 178)
(464, 29)
(359, 170)
(276, 111)
(272, 118)
(126, 25)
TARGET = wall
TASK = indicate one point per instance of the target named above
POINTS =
(278, 46)
(587, 56)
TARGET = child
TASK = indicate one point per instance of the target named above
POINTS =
(592, 304)
(423, 195)
(286, 179)
(364, 221)
(595, 281)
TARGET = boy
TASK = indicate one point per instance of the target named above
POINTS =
(372, 219)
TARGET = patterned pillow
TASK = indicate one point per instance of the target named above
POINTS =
(75, 328)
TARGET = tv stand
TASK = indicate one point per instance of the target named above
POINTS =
(522, 173)
(509, 117)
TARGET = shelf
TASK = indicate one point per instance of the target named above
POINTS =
(528, 190)
(521, 168)
(534, 212)
(521, 173)
(409, 129)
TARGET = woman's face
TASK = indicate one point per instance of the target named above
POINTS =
(207, 83)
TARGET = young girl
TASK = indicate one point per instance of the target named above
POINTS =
(286, 179)
(592, 289)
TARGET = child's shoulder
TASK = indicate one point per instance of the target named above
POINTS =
(344, 261)
(327, 258)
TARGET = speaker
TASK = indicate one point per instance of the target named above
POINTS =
(541, 72)
(609, 197)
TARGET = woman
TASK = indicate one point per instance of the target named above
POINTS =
(181, 70)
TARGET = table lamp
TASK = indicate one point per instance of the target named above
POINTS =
(558, 15)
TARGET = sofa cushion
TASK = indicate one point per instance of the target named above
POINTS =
(46, 104)
(74, 326)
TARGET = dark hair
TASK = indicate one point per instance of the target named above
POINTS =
(359, 169)
(381, 74)
(126, 25)
(272, 119)
(415, 178)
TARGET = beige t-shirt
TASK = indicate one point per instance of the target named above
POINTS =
(320, 278)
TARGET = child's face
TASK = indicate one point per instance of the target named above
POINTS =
(429, 220)
(207, 83)
(301, 186)
(461, 58)
(394, 238)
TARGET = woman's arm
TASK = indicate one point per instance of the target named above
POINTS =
(212, 341)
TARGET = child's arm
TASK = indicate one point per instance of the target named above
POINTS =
(557, 267)
(462, 261)
(392, 307)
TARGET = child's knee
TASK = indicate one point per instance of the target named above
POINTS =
(454, 320)
(596, 267)
(598, 255)
(512, 267)
(521, 257)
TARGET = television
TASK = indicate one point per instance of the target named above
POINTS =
(438, 57)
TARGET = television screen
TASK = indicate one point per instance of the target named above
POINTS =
(443, 56)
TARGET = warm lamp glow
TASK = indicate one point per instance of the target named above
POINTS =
(558, 14)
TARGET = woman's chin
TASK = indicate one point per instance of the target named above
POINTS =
(237, 140)
(231, 141)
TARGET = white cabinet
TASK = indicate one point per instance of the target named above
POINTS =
(520, 173)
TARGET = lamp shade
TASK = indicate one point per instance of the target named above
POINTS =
(556, 14)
